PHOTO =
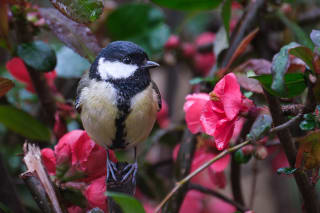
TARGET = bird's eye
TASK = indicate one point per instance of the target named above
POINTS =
(126, 60)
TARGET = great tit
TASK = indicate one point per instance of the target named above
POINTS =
(118, 101)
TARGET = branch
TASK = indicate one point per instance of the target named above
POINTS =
(181, 183)
(182, 168)
(8, 190)
(205, 190)
(239, 33)
(38, 181)
(305, 187)
(45, 95)
(235, 174)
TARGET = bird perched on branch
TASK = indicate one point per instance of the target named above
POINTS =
(118, 101)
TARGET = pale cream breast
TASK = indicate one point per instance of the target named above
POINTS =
(139, 123)
(99, 111)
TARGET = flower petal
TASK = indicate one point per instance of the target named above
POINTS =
(223, 133)
(193, 108)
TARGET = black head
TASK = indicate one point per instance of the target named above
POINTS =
(120, 59)
(124, 51)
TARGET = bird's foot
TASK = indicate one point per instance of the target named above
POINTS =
(131, 169)
(111, 169)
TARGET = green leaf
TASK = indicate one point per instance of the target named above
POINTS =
(241, 158)
(286, 171)
(280, 64)
(38, 55)
(70, 64)
(299, 34)
(260, 127)
(226, 15)
(294, 84)
(82, 11)
(305, 54)
(307, 125)
(23, 123)
(188, 4)
(315, 37)
(127, 203)
(199, 80)
(146, 28)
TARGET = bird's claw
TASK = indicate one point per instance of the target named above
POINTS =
(111, 168)
(132, 169)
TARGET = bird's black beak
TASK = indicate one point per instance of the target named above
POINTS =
(150, 64)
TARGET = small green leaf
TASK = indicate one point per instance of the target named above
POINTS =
(294, 84)
(280, 64)
(188, 4)
(82, 11)
(305, 54)
(23, 123)
(241, 158)
(298, 32)
(127, 203)
(286, 171)
(307, 125)
(260, 127)
(226, 15)
(315, 37)
(199, 80)
(38, 55)
(146, 28)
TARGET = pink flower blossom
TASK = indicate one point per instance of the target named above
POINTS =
(192, 202)
(223, 110)
(172, 42)
(204, 61)
(76, 157)
(95, 193)
(193, 108)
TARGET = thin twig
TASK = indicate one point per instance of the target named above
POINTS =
(214, 193)
(182, 168)
(180, 183)
(287, 124)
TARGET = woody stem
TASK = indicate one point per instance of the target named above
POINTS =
(180, 183)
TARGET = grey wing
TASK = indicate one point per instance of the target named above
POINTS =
(84, 82)
(156, 89)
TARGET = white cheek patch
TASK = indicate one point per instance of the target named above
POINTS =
(115, 69)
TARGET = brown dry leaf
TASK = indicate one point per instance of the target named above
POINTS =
(5, 86)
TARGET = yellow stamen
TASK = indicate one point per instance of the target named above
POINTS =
(214, 96)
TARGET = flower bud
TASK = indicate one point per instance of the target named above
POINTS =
(261, 152)
(172, 42)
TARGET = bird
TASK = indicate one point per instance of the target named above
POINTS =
(118, 101)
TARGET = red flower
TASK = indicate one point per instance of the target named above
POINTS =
(75, 209)
(192, 202)
(77, 158)
(204, 61)
(220, 114)
(95, 193)
(49, 160)
(163, 115)
(215, 205)
(19, 71)
(193, 108)
(172, 42)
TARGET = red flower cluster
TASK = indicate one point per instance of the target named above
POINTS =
(76, 158)
(19, 71)
(216, 113)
